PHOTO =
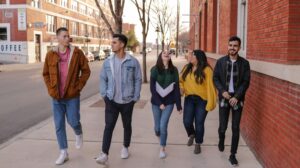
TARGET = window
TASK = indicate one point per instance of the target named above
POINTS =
(74, 5)
(90, 31)
(52, 1)
(35, 3)
(64, 23)
(3, 34)
(51, 23)
(82, 9)
(90, 12)
(242, 25)
(64, 3)
(74, 28)
(83, 29)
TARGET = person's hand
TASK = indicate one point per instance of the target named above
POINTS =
(181, 91)
(226, 95)
(162, 106)
(233, 101)
(180, 112)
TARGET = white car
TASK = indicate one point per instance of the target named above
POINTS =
(148, 49)
(90, 56)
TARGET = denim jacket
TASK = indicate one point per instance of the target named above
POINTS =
(131, 79)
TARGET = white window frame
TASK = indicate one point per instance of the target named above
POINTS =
(66, 23)
(82, 9)
(242, 25)
(51, 27)
(64, 3)
(75, 24)
(52, 1)
(7, 26)
(35, 3)
(74, 5)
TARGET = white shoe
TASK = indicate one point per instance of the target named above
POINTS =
(162, 154)
(63, 157)
(78, 141)
(102, 158)
(124, 153)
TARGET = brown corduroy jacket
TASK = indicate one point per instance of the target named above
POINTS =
(78, 73)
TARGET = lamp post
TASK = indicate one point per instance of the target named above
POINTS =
(87, 42)
(157, 31)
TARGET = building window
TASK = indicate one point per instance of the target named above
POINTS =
(3, 34)
(83, 29)
(35, 3)
(90, 12)
(82, 9)
(74, 28)
(74, 5)
(64, 23)
(51, 23)
(52, 1)
(90, 31)
(64, 3)
(242, 25)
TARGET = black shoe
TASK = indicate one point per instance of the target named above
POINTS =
(233, 160)
(221, 145)
(197, 149)
(191, 140)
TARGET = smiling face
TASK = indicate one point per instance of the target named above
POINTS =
(233, 48)
(165, 56)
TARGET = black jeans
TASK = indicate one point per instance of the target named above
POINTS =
(112, 110)
(224, 111)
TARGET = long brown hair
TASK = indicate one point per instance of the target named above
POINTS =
(160, 65)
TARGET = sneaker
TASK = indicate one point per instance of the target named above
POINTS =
(63, 157)
(124, 153)
(221, 145)
(102, 158)
(197, 149)
(78, 141)
(191, 140)
(162, 154)
(233, 160)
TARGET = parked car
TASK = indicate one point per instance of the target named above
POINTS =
(148, 49)
(108, 52)
(90, 56)
(99, 55)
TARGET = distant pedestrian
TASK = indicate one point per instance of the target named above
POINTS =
(120, 86)
(232, 79)
(164, 86)
(65, 73)
(200, 96)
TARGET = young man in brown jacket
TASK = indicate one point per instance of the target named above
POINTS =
(65, 73)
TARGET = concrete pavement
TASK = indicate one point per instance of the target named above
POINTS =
(37, 147)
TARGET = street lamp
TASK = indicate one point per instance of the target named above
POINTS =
(157, 31)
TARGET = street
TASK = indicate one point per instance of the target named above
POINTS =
(25, 101)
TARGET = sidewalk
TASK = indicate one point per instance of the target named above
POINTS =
(18, 67)
(37, 147)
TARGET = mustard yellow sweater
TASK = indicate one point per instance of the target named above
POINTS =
(206, 90)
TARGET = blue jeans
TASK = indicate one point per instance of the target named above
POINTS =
(69, 108)
(194, 110)
(161, 120)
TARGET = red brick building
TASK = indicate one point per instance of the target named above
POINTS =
(270, 33)
(27, 27)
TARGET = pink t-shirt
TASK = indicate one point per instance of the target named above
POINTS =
(63, 70)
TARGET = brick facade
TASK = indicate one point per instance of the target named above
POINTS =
(271, 118)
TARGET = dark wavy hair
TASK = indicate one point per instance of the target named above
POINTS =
(160, 64)
(202, 64)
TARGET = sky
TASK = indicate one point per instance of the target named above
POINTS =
(130, 15)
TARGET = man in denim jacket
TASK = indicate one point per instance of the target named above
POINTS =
(120, 86)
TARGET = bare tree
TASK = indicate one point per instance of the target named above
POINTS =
(116, 10)
(144, 16)
(162, 17)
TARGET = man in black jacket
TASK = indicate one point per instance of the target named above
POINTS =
(232, 78)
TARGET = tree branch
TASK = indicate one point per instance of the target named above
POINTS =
(104, 18)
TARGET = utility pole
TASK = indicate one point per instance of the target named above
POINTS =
(177, 27)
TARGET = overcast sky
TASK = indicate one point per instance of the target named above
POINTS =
(131, 16)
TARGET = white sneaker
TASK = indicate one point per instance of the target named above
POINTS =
(78, 141)
(63, 157)
(102, 158)
(162, 154)
(124, 153)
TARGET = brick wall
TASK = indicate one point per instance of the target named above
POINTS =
(273, 31)
(271, 121)
(212, 25)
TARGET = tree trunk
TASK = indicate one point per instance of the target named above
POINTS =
(144, 58)
(118, 25)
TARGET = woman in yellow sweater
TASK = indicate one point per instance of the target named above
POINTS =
(196, 84)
